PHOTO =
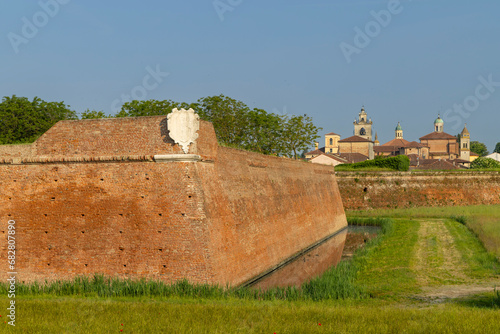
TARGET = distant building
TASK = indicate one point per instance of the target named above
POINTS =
(332, 143)
(494, 156)
(356, 144)
(363, 125)
(436, 150)
(441, 144)
(401, 146)
(328, 159)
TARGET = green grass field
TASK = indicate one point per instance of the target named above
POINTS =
(484, 220)
(426, 273)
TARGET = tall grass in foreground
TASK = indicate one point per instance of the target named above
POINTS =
(340, 282)
(336, 283)
(72, 315)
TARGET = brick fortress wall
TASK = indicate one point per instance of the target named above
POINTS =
(361, 191)
(89, 198)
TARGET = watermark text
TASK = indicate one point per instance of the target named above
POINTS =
(11, 259)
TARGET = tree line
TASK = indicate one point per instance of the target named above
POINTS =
(236, 125)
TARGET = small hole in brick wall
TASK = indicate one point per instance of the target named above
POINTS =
(121, 231)
(46, 232)
(55, 180)
(160, 249)
(147, 178)
(9, 215)
(124, 265)
(3, 231)
(190, 196)
(142, 196)
(83, 215)
(15, 180)
(159, 214)
(120, 214)
(183, 214)
(10, 198)
(164, 266)
(48, 264)
(86, 264)
(159, 231)
(365, 190)
(45, 214)
(52, 198)
(83, 232)
(121, 248)
(102, 179)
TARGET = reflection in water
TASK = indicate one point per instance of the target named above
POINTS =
(357, 237)
(306, 266)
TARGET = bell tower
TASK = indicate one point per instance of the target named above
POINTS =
(438, 124)
(399, 132)
(465, 144)
(363, 125)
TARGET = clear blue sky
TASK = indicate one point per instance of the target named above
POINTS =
(281, 55)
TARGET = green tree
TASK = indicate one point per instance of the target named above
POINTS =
(263, 132)
(137, 108)
(23, 121)
(479, 148)
(299, 133)
(92, 114)
(483, 162)
(497, 148)
(229, 117)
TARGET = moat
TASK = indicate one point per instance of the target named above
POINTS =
(318, 259)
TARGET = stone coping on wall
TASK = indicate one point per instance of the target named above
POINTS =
(142, 158)
(353, 174)
(177, 158)
(83, 159)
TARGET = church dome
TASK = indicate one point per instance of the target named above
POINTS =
(399, 127)
(438, 120)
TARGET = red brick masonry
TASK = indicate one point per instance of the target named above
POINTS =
(88, 197)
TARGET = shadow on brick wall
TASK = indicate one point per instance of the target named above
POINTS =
(164, 132)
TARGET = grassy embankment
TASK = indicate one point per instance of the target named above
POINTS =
(484, 220)
(381, 290)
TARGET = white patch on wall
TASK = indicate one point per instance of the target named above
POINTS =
(183, 126)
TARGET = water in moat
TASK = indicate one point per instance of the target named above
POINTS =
(318, 259)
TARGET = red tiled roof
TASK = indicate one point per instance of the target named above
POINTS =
(316, 152)
(397, 143)
(436, 164)
(415, 144)
(334, 157)
(473, 154)
(355, 139)
(353, 157)
(438, 135)
(413, 159)
(332, 134)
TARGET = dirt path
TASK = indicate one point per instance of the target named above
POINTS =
(441, 271)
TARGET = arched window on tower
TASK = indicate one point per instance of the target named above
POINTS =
(331, 141)
(362, 132)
